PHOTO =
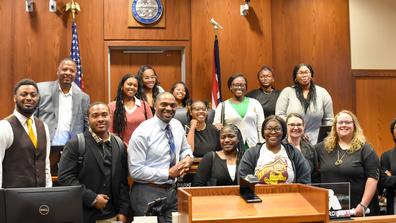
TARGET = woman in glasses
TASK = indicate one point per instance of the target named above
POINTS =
(295, 137)
(148, 79)
(203, 137)
(345, 156)
(275, 162)
(309, 100)
(244, 112)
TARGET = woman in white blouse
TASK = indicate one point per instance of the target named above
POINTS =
(244, 112)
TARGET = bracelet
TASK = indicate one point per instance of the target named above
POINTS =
(364, 207)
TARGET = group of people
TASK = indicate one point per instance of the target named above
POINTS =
(268, 133)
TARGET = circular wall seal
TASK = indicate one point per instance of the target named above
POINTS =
(147, 11)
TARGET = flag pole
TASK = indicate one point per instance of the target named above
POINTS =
(216, 76)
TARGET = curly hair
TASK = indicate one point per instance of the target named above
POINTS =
(358, 139)
(119, 118)
(186, 97)
(142, 89)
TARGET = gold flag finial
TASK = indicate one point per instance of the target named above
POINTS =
(73, 7)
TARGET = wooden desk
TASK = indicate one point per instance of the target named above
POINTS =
(281, 203)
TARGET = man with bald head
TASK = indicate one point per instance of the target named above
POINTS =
(158, 153)
(63, 106)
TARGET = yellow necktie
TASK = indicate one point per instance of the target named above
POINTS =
(32, 137)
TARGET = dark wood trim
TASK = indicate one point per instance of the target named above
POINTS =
(373, 73)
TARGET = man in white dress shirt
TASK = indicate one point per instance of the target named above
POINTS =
(158, 153)
(63, 105)
(24, 142)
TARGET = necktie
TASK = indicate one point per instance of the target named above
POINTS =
(172, 146)
(32, 137)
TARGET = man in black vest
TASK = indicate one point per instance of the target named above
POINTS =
(101, 167)
(24, 142)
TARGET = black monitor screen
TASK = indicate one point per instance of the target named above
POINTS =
(44, 205)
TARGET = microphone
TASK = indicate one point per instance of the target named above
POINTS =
(216, 24)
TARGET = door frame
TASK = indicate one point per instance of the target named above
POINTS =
(183, 46)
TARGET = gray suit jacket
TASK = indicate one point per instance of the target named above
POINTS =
(48, 110)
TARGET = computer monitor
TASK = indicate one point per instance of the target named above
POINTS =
(2, 206)
(44, 205)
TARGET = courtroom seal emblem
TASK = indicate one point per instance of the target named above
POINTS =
(147, 11)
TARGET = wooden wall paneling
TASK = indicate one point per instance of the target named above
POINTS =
(375, 108)
(41, 40)
(177, 25)
(7, 10)
(314, 32)
(165, 64)
(90, 31)
(245, 42)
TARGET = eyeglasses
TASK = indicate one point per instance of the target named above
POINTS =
(304, 72)
(275, 129)
(344, 122)
(293, 125)
(238, 85)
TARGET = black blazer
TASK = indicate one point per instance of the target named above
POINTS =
(90, 174)
(388, 162)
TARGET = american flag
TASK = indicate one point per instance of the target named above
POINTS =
(75, 55)
(216, 78)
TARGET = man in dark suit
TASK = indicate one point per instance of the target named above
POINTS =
(63, 106)
(101, 168)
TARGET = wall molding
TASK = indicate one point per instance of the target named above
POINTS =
(373, 73)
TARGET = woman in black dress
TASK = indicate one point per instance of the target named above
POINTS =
(345, 156)
(202, 136)
(220, 168)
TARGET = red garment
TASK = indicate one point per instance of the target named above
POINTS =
(133, 119)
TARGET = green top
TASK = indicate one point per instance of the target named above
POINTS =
(241, 108)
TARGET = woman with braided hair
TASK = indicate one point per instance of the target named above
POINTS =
(219, 168)
(127, 111)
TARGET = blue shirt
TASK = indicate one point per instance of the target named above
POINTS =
(149, 151)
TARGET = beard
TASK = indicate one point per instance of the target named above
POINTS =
(25, 111)
(394, 139)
